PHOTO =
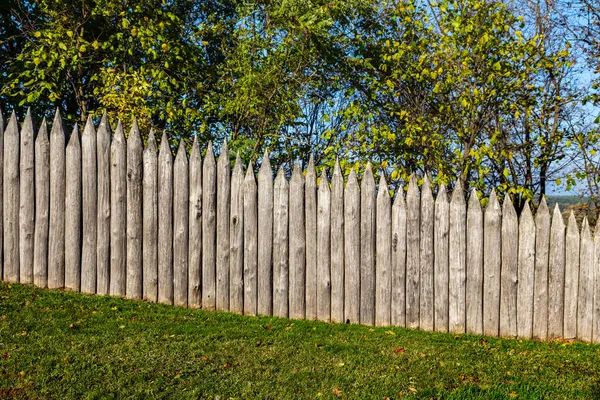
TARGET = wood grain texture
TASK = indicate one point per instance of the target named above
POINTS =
(509, 272)
(571, 286)
(135, 148)
(27, 200)
(398, 316)
(492, 262)
(150, 220)
(250, 244)
(367, 247)
(181, 198)
(526, 273)
(413, 229)
(195, 218)
(457, 262)
(352, 249)
(2, 126)
(474, 293)
(118, 213)
(56, 234)
(337, 244)
(383, 253)
(596, 306)
(556, 276)
(324, 249)
(103, 159)
(540, 290)
(281, 270)
(209, 229)
(236, 238)
(297, 243)
(42, 206)
(441, 260)
(585, 295)
(89, 206)
(72, 271)
(265, 237)
(223, 208)
(11, 200)
(426, 294)
(165, 222)
(310, 218)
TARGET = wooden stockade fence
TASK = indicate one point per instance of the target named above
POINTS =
(100, 213)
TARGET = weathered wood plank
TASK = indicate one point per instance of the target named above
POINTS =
(383, 244)
(457, 262)
(441, 261)
(542, 247)
(236, 238)
(526, 274)
(223, 199)
(250, 244)
(1, 194)
(150, 216)
(281, 270)
(72, 216)
(118, 213)
(56, 234)
(367, 247)
(165, 222)
(11, 200)
(209, 229)
(195, 217)
(337, 244)
(571, 286)
(27, 200)
(297, 243)
(413, 228)
(103, 138)
(509, 273)
(181, 199)
(42, 206)
(324, 249)
(310, 204)
(399, 260)
(556, 276)
(265, 237)
(585, 295)
(596, 268)
(352, 249)
(492, 261)
(474, 292)
(89, 206)
(426, 258)
(135, 148)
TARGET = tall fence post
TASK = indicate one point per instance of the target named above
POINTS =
(72, 216)
(103, 148)
(118, 214)
(508, 271)
(474, 294)
(337, 244)
(398, 316)
(11, 200)
(250, 244)
(542, 248)
(297, 243)
(426, 307)
(324, 249)
(367, 247)
(209, 229)
(441, 272)
(457, 260)
(89, 204)
(571, 286)
(556, 276)
(236, 237)
(150, 223)
(56, 234)
(351, 249)
(526, 271)
(265, 237)
(585, 295)
(165, 222)
(27, 200)
(195, 220)
(134, 289)
(180, 227)
(223, 199)
(492, 261)
(280, 246)
(310, 204)
(413, 229)
(383, 255)
(42, 206)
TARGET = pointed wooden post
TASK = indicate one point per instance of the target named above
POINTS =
(56, 234)
(103, 139)
(526, 271)
(265, 237)
(474, 292)
(542, 248)
(280, 246)
(195, 218)
(297, 245)
(457, 288)
(399, 260)
(556, 276)
(383, 244)
(571, 278)
(89, 204)
(310, 203)
(324, 249)
(165, 222)
(150, 215)
(27, 200)
(180, 227)
(337, 244)
(426, 258)
(367, 247)
(236, 237)
(42, 206)
(351, 249)
(441, 261)
(492, 262)
(596, 272)
(134, 213)
(585, 296)
(11, 200)
(209, 229)
(72, 219)
(413, 224)
(118, 214)
(509, 273)
(223, 199)
(250, 244)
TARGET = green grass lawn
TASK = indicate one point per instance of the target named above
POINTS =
(62, 345)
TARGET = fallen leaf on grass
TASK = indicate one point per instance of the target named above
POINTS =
(399, 350)
(337, 392)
